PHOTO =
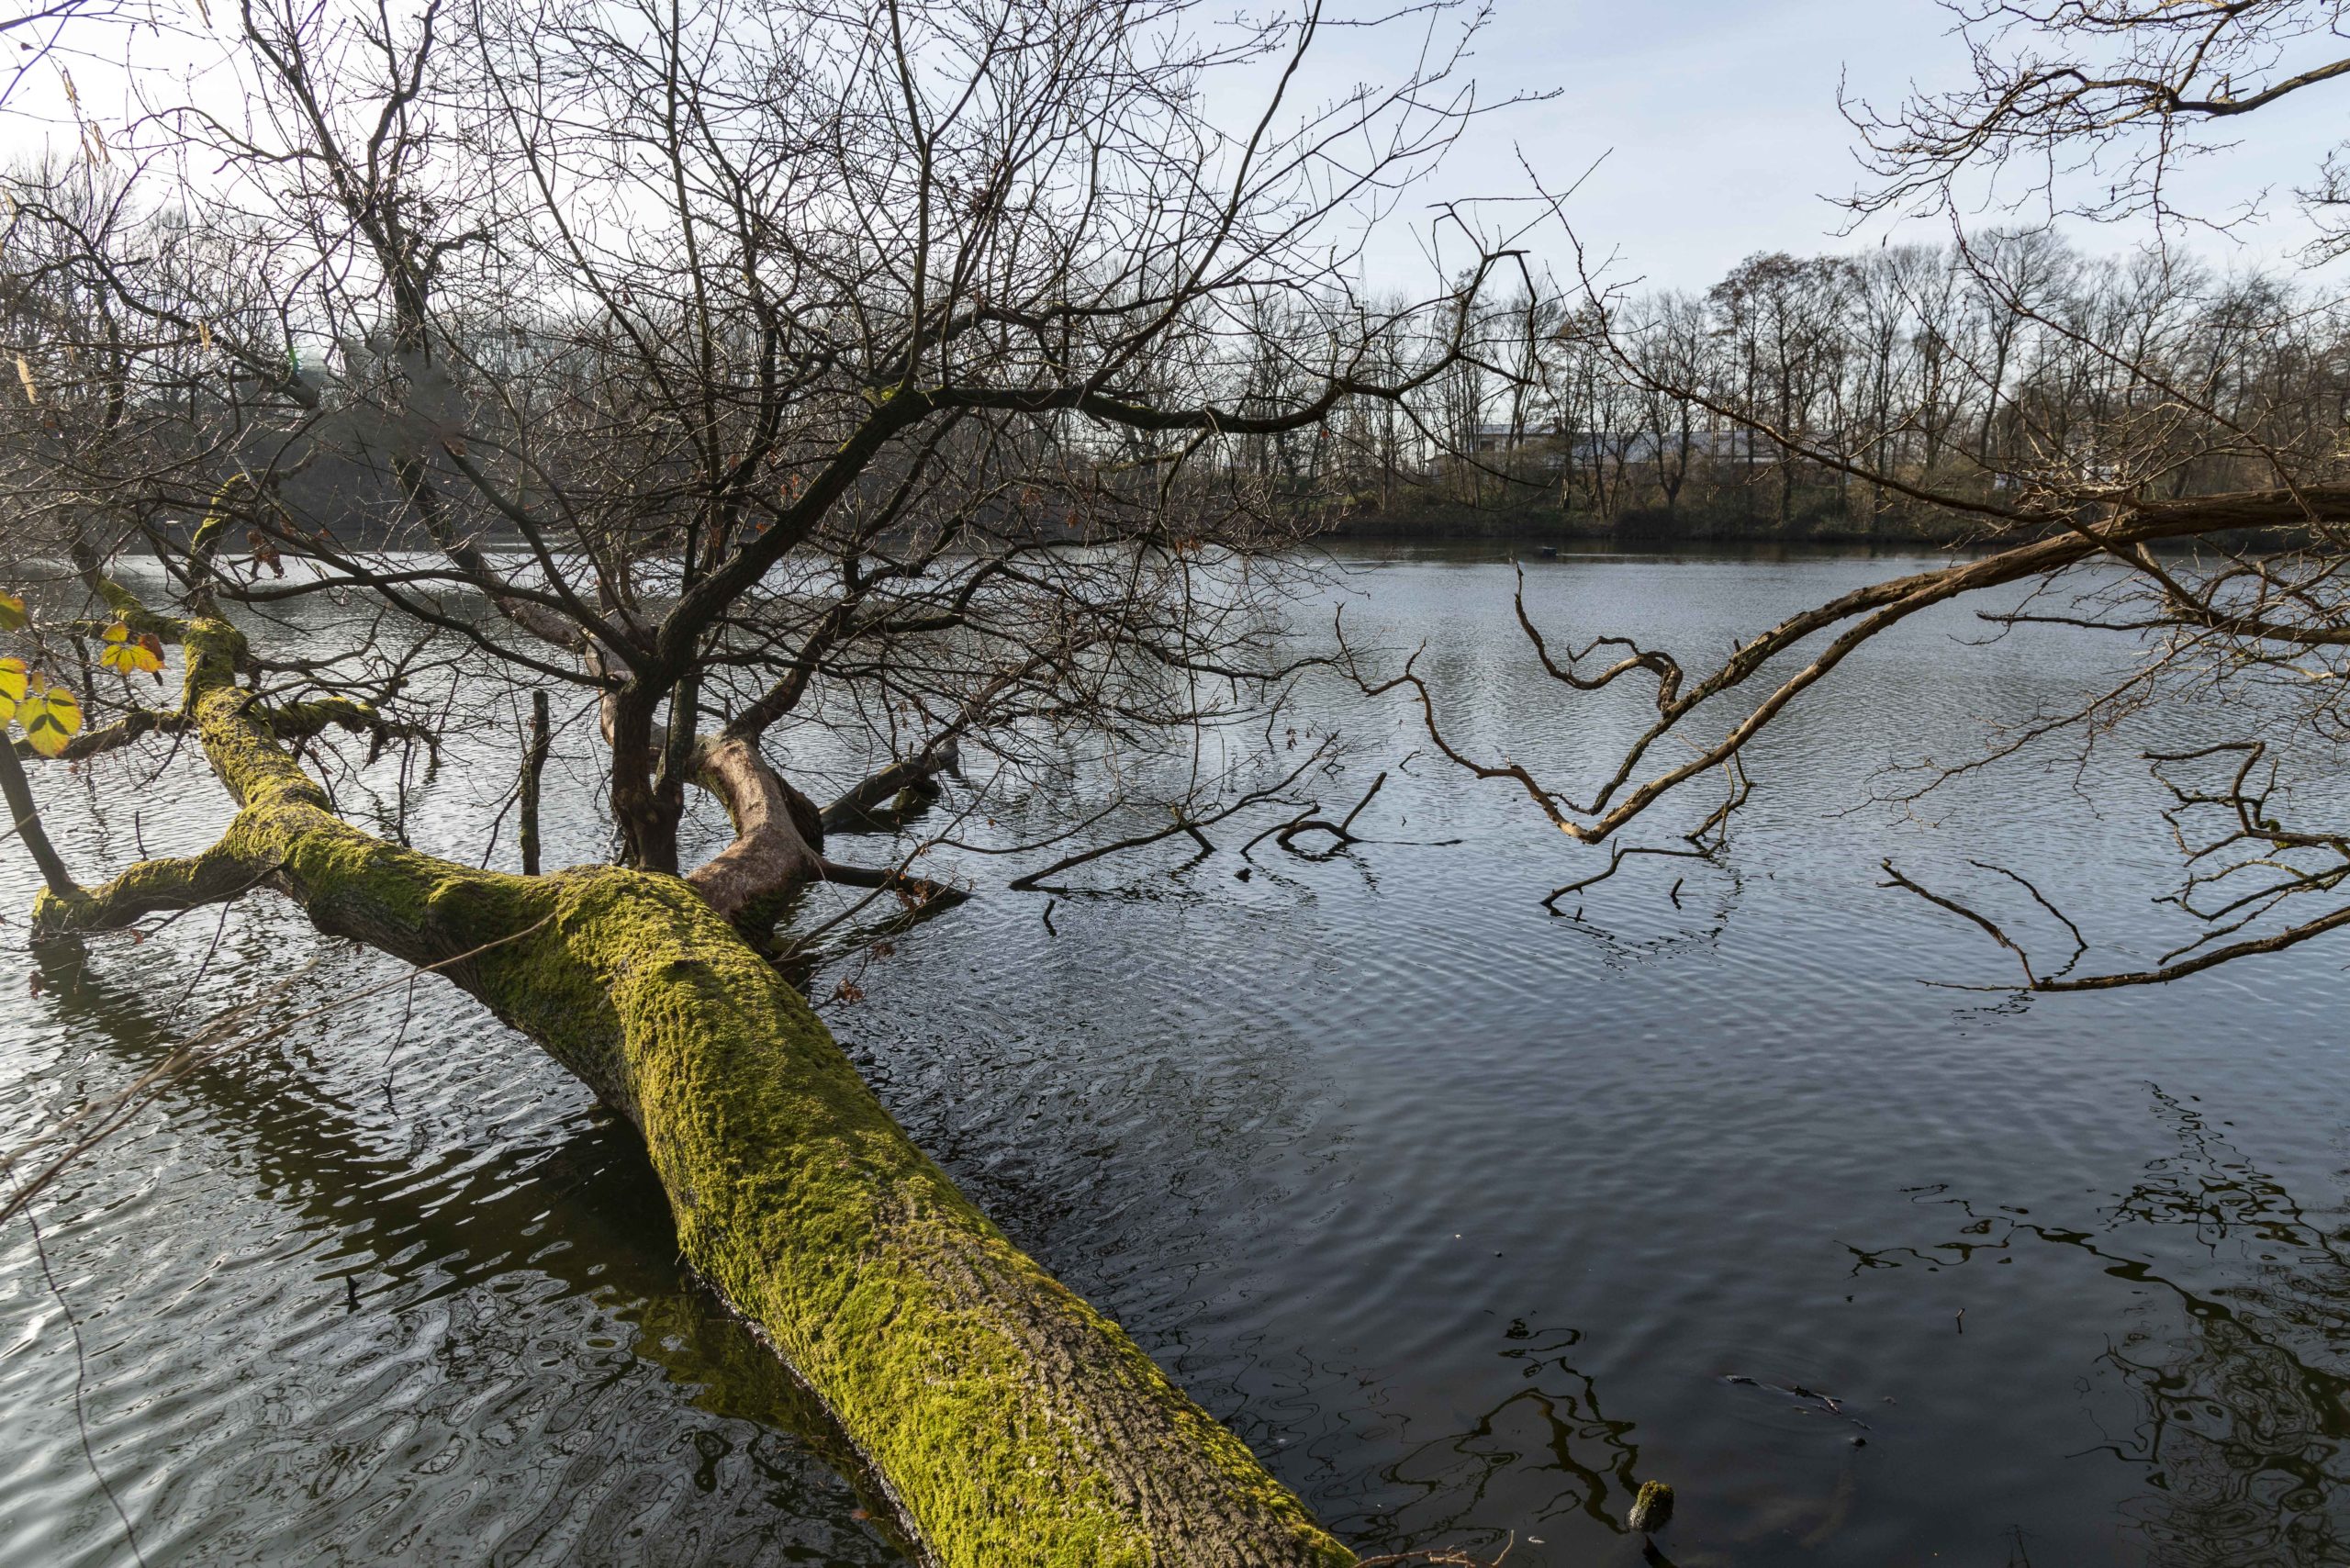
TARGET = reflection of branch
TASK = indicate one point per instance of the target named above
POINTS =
(1549, 1426)
(2253, 1392)
(607, 1208)
(101, 1119)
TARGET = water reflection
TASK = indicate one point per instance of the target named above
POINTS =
(1252, 1119)
(2238, 1393)
(1682, 910)
(1550, 1434)
(432, 1273)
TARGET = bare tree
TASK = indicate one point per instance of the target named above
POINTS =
(2122, 92)
(913, 383)
(2151, 455)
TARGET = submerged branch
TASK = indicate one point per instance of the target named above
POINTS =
(1035, 881)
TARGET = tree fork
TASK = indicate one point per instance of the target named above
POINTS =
(1005, 1421)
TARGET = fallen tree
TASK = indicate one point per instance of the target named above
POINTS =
(809, 395)
(1002, 1418)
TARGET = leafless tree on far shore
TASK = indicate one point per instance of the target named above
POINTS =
(2156, 468)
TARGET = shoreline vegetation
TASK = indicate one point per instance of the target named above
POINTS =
(1939, 394)
(1436, 520)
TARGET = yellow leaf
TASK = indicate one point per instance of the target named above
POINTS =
(25, 375)
(12, 612)
(129, 654)
(12, 687)
(51, 719)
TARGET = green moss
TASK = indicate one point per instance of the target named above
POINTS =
(910, 1313)
(217, 521)
(317, 714)
(1011, 1424)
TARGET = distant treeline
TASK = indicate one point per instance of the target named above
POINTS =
(1901, 393)
(1849, 397)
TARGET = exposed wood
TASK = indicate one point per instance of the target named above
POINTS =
(778, 844)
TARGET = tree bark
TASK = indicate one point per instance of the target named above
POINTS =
(24, 818)
(1006, 1421)
(534, 766)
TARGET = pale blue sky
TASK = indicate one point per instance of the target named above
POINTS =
(1723, 135)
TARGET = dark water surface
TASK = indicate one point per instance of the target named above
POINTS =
(1467, 1217)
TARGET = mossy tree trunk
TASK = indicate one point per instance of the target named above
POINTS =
(1008, 1423)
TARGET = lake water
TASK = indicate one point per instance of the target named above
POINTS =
(1468, 1217)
